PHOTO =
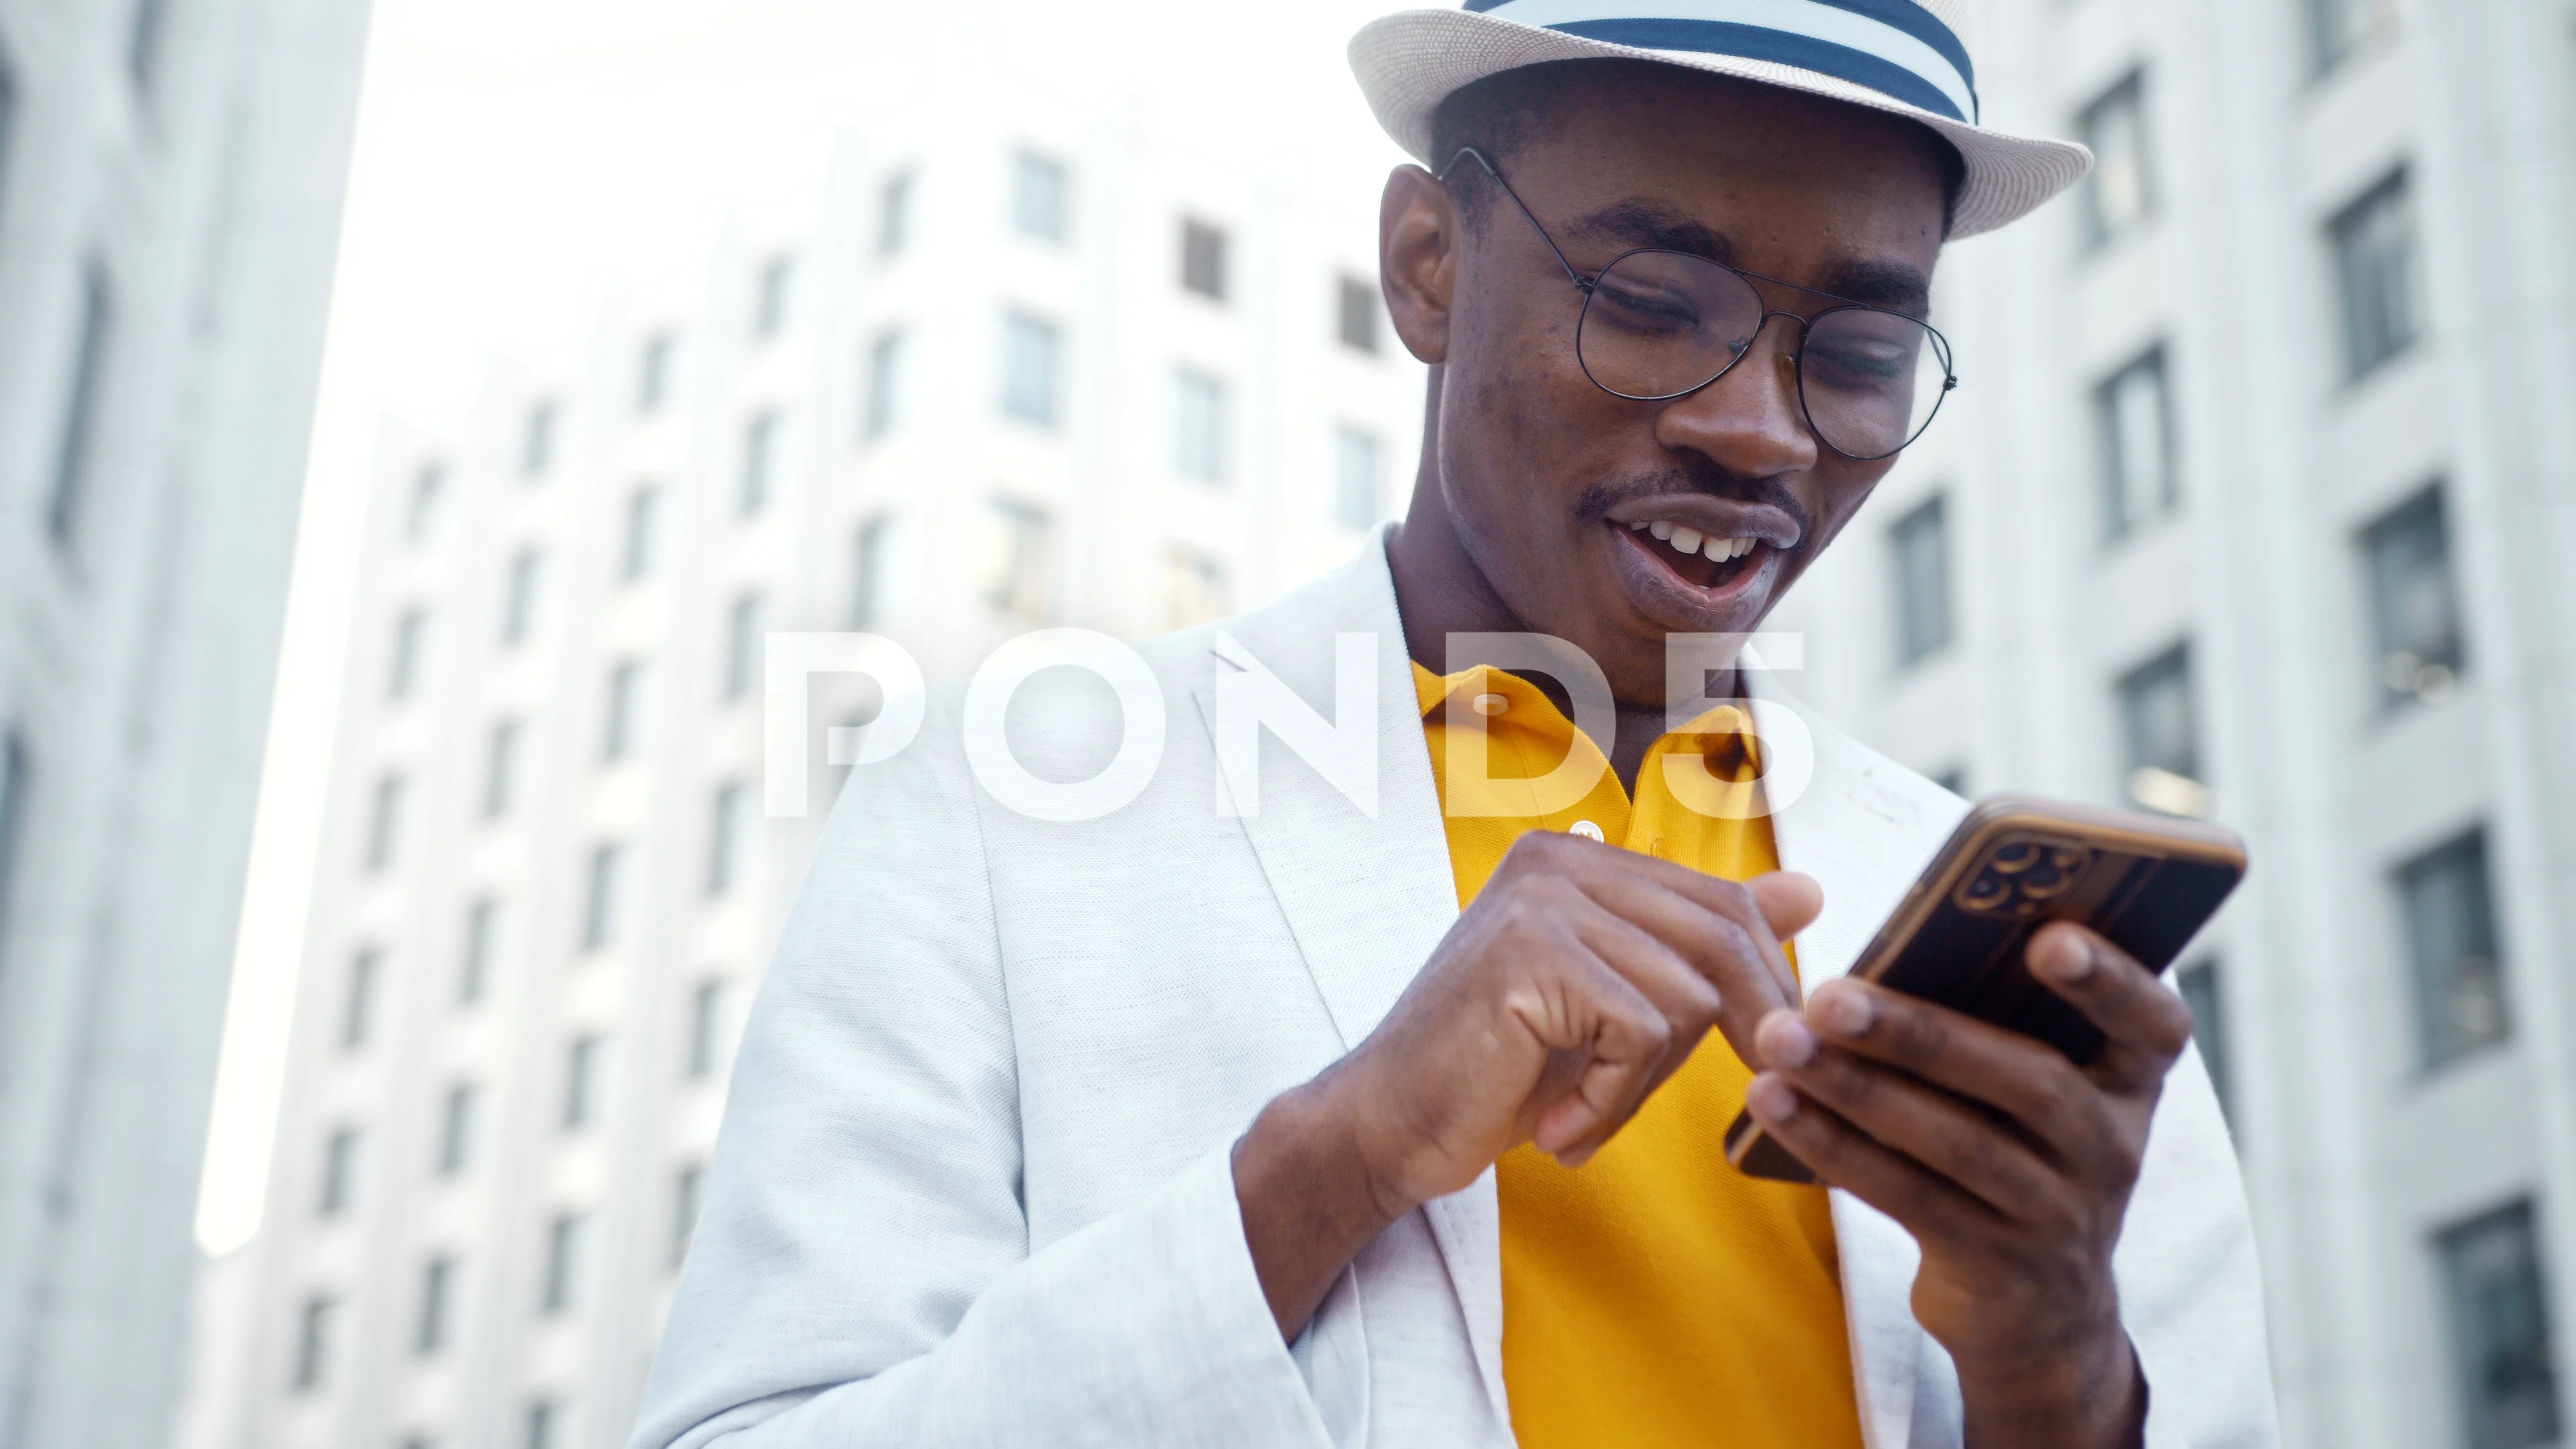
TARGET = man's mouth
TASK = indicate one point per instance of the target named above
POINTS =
(1701, 560)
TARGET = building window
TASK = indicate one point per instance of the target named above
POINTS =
(563, 1263)
(2120, 193)
(8, 123)
(1203, 250)
(482, 948)
(428, 486)
(2198, 984)
(143, 29)
(599, 905)
(16, 782)
(1199, 427)
(339, 1173)
(1023, 585)
(653, 372)
(773, 296)
(2374, 247)
(358, 998)
(868, 572)
(456, 1130)
(2414, 603)
(725, 830)
(1197, 587)
(884, 403)
(617, 727)
(1040, 190)
(1355, 478)
(1920, 542)
(402, 664)
(643, 532)
(706, 1028)
(1358, 312)
(384, 823)
(537, 440)
(2159, 715)
(760, 439)
(687, 1190)
(2133, 413)
(742, 646)
(519, 596)
(437, 1288)
(894, 214)
(78, 440)
(2449, 905)
(313, 1342)
(1031, 349)
(581, 1081)
(2338, 28)
(2500, 1338)
(501, 769)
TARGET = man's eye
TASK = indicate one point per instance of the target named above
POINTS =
(1646, 311)
(1858, 364)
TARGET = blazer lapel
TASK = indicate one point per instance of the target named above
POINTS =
(1864, 836)
(1366, 899)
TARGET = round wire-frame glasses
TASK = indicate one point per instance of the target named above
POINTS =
(1659, 324)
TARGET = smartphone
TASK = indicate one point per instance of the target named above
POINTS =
(2147, 883)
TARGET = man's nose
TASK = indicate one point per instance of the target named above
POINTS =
(1750, 421)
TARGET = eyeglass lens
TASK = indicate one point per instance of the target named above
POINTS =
(1659, 324)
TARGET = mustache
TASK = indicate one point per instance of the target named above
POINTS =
(1699, 476)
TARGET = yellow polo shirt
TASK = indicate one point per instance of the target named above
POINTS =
(1654, 1297)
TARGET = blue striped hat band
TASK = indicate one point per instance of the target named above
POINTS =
(1895, 47)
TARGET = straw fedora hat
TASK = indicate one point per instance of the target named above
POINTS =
(1906, 57)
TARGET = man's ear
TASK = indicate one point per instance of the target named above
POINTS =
(1420, 235)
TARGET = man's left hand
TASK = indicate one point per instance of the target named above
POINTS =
(2010, 1165)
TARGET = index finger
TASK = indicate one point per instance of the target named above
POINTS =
(1723, 928)
(2147, 1025)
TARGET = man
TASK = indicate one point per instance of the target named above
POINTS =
(1382, 1114)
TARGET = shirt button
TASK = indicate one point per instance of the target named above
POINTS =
(1491, 704)
(1587, 830)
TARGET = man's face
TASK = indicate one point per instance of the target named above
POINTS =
(1546, 475)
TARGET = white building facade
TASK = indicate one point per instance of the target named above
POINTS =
(2256, 503)
(2249, 508)
(1018, 374)
(170, 187)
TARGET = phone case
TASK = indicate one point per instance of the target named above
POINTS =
(2147, 883)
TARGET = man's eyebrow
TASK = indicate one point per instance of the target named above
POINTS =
(1637, 222)
(1640, 223)
(1897, 286)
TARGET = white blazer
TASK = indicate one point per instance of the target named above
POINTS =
(973, 1184)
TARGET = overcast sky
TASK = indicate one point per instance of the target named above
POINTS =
(515, 155)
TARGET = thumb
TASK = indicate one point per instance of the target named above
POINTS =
(1789, 901)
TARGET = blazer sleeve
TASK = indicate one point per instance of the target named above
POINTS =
(2191, 1290)
(862, 1273)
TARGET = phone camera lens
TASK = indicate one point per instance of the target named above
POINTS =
(2016, 856)
(2046, 882)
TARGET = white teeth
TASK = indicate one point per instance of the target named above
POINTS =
(1691, 540)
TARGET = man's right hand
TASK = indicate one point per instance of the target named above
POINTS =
(1579, 980)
